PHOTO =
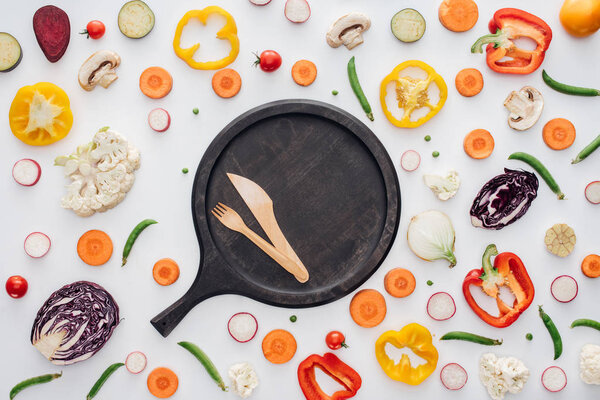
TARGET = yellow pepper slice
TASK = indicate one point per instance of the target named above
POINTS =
(227, 32)
(40, 114)
(415, 337)
(411, 94)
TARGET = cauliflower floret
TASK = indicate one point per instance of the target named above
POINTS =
(243, 379)
(589, 364)
(502, 374)
(444, 187)
(102, 172)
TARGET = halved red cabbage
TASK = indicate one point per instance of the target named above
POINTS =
(504, 199)
(74, 323)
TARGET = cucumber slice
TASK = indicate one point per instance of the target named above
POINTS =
(408, 25)
(136, 19)
(10, 52)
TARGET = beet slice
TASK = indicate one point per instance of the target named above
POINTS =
(53, 31)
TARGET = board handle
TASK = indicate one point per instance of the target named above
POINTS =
(168, 319)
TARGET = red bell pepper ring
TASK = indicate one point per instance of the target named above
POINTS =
(336, 369)
(508, 270)
(506, 25)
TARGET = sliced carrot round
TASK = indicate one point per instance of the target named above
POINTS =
(399, 282)
(156, 82)
(558, 133)
(94, 247)
(469, 82)
(479, 144)
(368, 308)
(162, 382)
(304, 72)
(458, 15)
(226, 82)
(279, 346)
(165, 271)
(590, 266)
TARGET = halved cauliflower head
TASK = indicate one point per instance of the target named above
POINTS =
(102, 172)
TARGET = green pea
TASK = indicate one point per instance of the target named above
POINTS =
(427, 138)
(293, 318)
(435, 154)
(195, 110)
(185, 170)
(334, 92)
(529, 336)
(429, 283)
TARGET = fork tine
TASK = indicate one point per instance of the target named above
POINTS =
(220, 209)
(216, 214)
(224, 206)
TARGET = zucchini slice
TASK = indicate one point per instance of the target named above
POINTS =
(408, 25)
(10, 52)
(136, 19)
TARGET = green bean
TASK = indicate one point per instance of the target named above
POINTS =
(32, 381)
(470, 337)
(540, 169)
(105, 375)
(358, 89)
(568, 89)
(206, 362)
(590, 323)
(553, 331)
(587, 150)
(133, 236)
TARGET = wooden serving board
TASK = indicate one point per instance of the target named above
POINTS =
(335, 194)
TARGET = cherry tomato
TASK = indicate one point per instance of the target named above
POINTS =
(269, 60)
(94, 29)
(16, 286)
(335, 340)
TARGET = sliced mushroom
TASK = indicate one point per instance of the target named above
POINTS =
(99, 69)
(347, 30)
(525, 108)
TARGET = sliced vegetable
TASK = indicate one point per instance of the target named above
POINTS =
(560, 240)
(458, 15)
(11, 53)
(27, 172)
(242, 327)
(479, 144)
(269, 60)
(304, 72)
(226, 83)
(133, 237)
(540, 169)
(99, 69)
(453, 376)
(102, 380)
(564, 288)
(357, 89)
(408, 25)
(37, 244)
(592, 192)
(368, 308)
(554, 379)
(136, 19)
(16, 286)
(297, 11)
(206, 363)
(260, 2)
(94, 247)
(525, 108)
(156, 82)
(347, 30)
(410, 160)
(31, 382)
(94, 29)
(136, 362)
(558, 133)
(335, 368)
(441, 306)
(471, 337)
(279, 346)
(52, 30)
(162, 382)
(444, 187)
(553, 331)
(165, 271)
(400, 282)
(336, 340)
(587, 150)
(469, 82)
(431, 236)
(568, 89)
(590, 266)
(159, 119)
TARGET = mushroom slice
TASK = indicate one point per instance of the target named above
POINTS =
(99, 69)
(347, 30)
(525, 108)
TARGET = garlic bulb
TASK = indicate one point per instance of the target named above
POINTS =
(431, 236)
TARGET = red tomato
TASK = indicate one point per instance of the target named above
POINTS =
(269, 60)
(16, 286)
(94, 29)
(335, 340)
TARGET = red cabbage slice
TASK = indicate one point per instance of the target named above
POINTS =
(74, 323)
(504, 199)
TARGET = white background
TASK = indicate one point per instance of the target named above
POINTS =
(162, 192)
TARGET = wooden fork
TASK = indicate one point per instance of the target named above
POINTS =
(233, 221)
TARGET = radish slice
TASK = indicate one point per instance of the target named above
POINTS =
(554, 379)
(592, 192)
(441, 306)
(297, 11)
(260, 2)
(37, 244)
(564, 288)
(410, 160)
(136, 362)
(242, 327)
(27, 172)
(453, 376)
(159, 119)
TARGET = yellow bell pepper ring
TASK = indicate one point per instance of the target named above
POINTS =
(412, 94)
(40, 114)
(227, 32)
(415, 337)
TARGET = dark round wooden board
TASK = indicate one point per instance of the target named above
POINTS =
(335, 195)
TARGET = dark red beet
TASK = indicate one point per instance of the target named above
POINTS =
(52, 31)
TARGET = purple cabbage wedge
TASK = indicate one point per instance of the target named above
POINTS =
(74, 323)
(504, 199)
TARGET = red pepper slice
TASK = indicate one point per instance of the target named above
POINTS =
(508, 270)
(336, 369)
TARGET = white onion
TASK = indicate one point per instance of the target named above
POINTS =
(431, 236)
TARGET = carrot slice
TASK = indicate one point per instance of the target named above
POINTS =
(458, 15)
(165, 271)
(590, 266)
(226, 82)
(304, 72)
(162, 382)
(94, 247)
(279, 346)
(469, 82)
(399, 282)
(368, 308)
(156, 82)
(558, 133)
(479, 144)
